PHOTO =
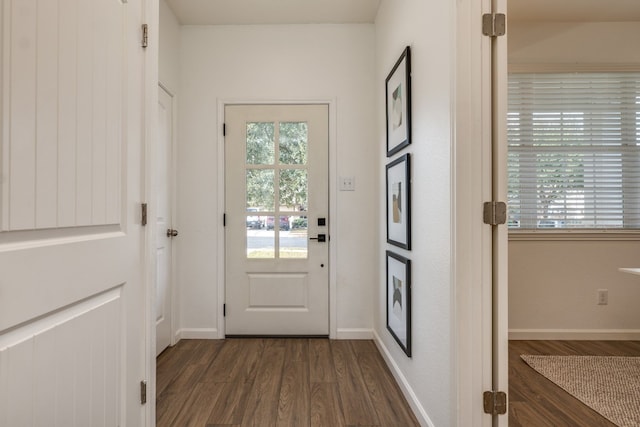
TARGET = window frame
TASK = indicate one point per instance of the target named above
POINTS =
(573, 234)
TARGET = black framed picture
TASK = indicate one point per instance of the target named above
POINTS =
(399, 300)
(398, 104)
(399, 202)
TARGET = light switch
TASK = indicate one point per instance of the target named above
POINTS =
(347, 183)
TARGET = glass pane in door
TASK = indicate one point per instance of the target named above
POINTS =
(260, 143)
(293, 241)
(260, 242)
(260, 189)
(293, 143)
(293, 190)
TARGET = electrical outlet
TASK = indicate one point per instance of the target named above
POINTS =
(603, 296)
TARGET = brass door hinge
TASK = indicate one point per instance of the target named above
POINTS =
(495, 402)
(495, 213)
(494, 24)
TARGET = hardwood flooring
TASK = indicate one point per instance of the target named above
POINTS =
(536, 401)
(277, 382)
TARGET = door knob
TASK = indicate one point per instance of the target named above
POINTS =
(320, 238)
(171, 232)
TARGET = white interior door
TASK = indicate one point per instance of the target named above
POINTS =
(277, 225)
(164, 228)
(72, 296)
(499, 74)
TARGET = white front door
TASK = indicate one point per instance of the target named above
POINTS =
(72, 293)
(277, 224)
(164, 226)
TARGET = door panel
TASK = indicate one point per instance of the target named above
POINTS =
(276, 204)
(71, 294)
(500, 232)
(164, 251)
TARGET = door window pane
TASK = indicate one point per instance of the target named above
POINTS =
(293, 143)
(260, 189)
(260, 143)
(293, 238)
(293, 190)
(260, 243)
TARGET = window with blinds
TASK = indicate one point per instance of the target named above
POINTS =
(574, 151)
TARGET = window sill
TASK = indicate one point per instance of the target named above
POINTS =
(574, 235)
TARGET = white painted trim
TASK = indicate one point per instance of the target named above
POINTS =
(197, 334)
(408, 392)
(220, 228)
(354, 334)
(471, 291)
(333, 199)
(150, 15)
(575, 334)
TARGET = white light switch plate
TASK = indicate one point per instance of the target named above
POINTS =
(347, 183)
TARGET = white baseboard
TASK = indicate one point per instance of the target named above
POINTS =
(406, 388)
(354, 334)
(575, 334)
(197, 334)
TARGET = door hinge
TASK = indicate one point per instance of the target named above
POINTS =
(143, 392)
(224, 129)
(494, 24)
(495, 402)
(145, 35)
(224, 220)
(143, 219)
(224, 310)
(495, 213)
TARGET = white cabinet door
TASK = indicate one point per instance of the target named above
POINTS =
(277, 225)
(72, 295)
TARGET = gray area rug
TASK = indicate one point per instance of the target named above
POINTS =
(609, 385)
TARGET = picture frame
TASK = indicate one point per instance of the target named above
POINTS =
(398, 178)
(398, 104)
(399, 300)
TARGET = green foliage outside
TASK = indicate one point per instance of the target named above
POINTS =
(292, 151)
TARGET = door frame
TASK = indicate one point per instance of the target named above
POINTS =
(333, 182)
(150, 80)
(475, 264)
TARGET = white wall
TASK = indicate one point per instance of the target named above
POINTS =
(273, 63)
(169, 48)
(429, 372)
(553, 284)
(574, 43)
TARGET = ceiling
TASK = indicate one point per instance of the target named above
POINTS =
(234, 12)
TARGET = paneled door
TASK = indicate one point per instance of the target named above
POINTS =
(164, 231)
(72, 294)
(277, 225)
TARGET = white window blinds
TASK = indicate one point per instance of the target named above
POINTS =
(574, 150)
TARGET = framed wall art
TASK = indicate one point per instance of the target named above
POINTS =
(399, 300)
(398, 104)
(399, 202)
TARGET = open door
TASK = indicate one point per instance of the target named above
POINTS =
(73, 318)
(500, 241)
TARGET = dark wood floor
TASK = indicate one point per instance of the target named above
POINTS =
(536, 401)
(277, 382)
